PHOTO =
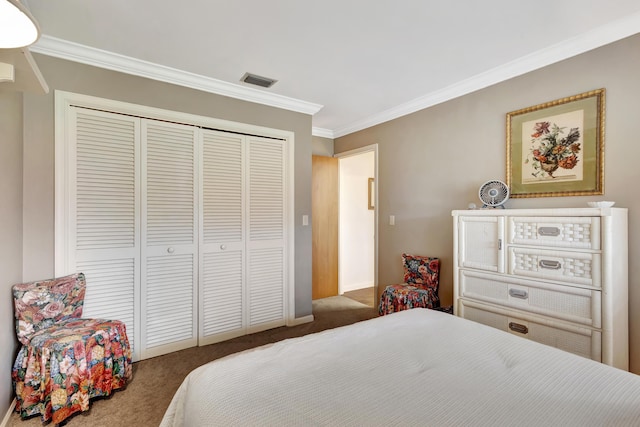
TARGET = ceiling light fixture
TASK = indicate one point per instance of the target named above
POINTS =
(17, 27)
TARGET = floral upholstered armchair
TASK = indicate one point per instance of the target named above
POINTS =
(65, 360)
(421, 277)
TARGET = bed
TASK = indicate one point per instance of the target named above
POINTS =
(415, 367)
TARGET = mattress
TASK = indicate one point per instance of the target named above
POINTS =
(415, 367)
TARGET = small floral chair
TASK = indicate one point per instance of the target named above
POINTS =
(64, 360)
(421, 276)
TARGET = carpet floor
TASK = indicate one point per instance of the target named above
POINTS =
(365, 296)
(155, 380)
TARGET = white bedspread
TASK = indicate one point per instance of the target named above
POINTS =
(416, 367)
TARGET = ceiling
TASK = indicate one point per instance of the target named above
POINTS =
(350, 63)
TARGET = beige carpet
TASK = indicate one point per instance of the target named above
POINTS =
(147, 396)
(365, 296)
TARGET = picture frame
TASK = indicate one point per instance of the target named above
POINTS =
(557, 148)
(370, 194)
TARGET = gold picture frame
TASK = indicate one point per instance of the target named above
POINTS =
(557, 148)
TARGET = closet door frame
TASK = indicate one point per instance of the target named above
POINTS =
(64, 251)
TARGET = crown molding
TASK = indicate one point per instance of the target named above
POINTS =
(593, 39)
(322, 132)
(71, 51)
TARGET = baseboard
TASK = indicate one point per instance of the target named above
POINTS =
(7, 416)
(300, 320)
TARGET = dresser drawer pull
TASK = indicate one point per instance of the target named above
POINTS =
(549, 231)
(551, 265)
(518, 293)
(517, 327)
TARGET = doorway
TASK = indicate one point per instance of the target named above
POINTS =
(358, 249)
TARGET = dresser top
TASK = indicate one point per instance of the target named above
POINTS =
(542, 212)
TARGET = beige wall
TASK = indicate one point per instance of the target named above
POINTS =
(322, 146)
(433, 161)
(10, 233)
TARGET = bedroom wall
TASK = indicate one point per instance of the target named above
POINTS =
(73, 77)
(10, 233)
(322, 146)
(433, 161)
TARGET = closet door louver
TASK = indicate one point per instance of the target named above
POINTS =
(107, 241)
(266, 233)
(222, 249)
(169, 237)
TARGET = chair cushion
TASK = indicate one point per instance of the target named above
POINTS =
(405, 296)
(421, 271)
(39, 305)
(63, 335)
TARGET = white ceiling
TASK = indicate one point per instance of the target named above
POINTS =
(359, 62)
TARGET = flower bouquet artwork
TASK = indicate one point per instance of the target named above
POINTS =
(557, 148)
(554, 151)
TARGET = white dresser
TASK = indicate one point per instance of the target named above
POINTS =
(555, 276)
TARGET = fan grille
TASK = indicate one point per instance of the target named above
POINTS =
(493, 193)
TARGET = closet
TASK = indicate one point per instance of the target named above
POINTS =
(180, 229)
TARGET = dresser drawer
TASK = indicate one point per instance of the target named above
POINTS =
(582, 268)
(557, 232)
(561, 302)
(581, 341)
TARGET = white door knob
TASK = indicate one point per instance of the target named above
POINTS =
(223, 247)
(170, 250)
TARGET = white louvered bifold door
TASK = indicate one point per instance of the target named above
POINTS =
(104, 230)
(169, 237)
(265, 233)
(222, 245)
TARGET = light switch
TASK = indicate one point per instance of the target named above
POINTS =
(305, 219)
(392, 220)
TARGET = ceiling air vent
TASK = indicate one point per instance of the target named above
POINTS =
(252, 79)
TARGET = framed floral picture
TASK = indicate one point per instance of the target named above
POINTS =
(557, 148)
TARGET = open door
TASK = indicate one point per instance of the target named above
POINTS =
(324, 226)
